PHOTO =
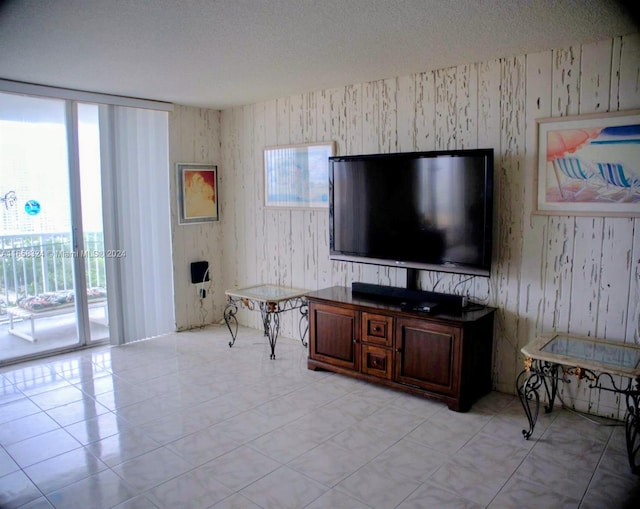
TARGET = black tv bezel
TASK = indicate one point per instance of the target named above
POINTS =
(483, 270)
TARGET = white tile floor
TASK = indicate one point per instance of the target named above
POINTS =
(183, 421)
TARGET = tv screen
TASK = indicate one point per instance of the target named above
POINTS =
(423, 210)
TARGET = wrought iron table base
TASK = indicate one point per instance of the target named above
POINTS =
(270, 313)
(540, 373)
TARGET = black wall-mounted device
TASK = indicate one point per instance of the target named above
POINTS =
(199, 272)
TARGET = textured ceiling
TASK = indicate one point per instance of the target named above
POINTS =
(218, 53)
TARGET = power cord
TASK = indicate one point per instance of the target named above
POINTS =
(588, 417)
(474, 306)
(202, 294)
(461, 282)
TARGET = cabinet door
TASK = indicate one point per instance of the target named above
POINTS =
(377, 329)
(334, 335)
(427, 355)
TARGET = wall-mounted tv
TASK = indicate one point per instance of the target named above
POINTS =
(418, 210)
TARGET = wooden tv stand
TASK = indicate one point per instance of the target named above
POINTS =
(444, 356)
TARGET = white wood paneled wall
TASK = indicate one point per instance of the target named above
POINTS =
(194, 137)
(562, 273)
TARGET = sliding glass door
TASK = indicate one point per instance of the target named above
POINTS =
(53, 289)
(94, 250)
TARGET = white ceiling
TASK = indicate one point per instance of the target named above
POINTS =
(219, 53)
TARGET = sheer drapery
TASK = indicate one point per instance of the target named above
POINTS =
(135, 165)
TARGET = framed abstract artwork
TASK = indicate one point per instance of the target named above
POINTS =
(197, 186)
(297, 176)
(589, 165)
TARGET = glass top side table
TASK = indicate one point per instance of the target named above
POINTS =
(555, 357)
(271, 300)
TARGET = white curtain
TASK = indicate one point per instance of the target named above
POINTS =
(136, 197)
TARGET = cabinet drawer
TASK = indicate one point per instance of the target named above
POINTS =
(376, 361)
(377, 329)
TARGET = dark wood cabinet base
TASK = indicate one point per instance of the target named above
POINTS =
(444, 356)
(452, 403)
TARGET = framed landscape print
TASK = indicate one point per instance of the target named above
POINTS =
(589, 165)
(197, 186)
(297, 176)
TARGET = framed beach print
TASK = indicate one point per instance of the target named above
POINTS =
(589, 165)
(297, 176)
(197, 186)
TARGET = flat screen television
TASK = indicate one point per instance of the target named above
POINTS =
(417, 210)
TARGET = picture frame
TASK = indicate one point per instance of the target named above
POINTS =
(297, 176)
(197, 190)
(588, 165)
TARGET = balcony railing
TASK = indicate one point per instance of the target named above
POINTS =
(35, 264)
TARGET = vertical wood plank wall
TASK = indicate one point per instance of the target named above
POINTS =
(194, 137)
(579, 275)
